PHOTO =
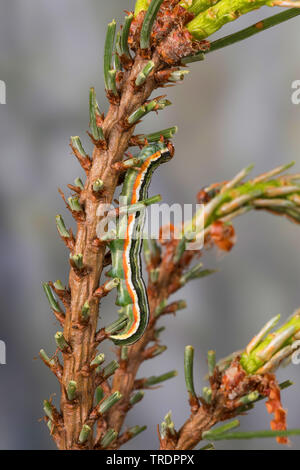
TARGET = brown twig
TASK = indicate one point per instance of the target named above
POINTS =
(170, 43)
(81, 335)
(125, 378)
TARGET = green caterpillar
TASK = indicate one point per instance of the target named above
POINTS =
(126, 248)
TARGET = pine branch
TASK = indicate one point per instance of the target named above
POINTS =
(212, 19)
(145, 55)
(255, 434)
(235, 389)
(256, 28)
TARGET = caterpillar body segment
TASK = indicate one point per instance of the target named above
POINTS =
(126, 248)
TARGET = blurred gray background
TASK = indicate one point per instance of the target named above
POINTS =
(234, 109)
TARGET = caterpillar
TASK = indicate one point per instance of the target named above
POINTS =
(126, 248)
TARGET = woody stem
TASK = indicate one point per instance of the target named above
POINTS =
(81, 337)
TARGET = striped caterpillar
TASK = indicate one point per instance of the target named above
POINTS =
(126, 248)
